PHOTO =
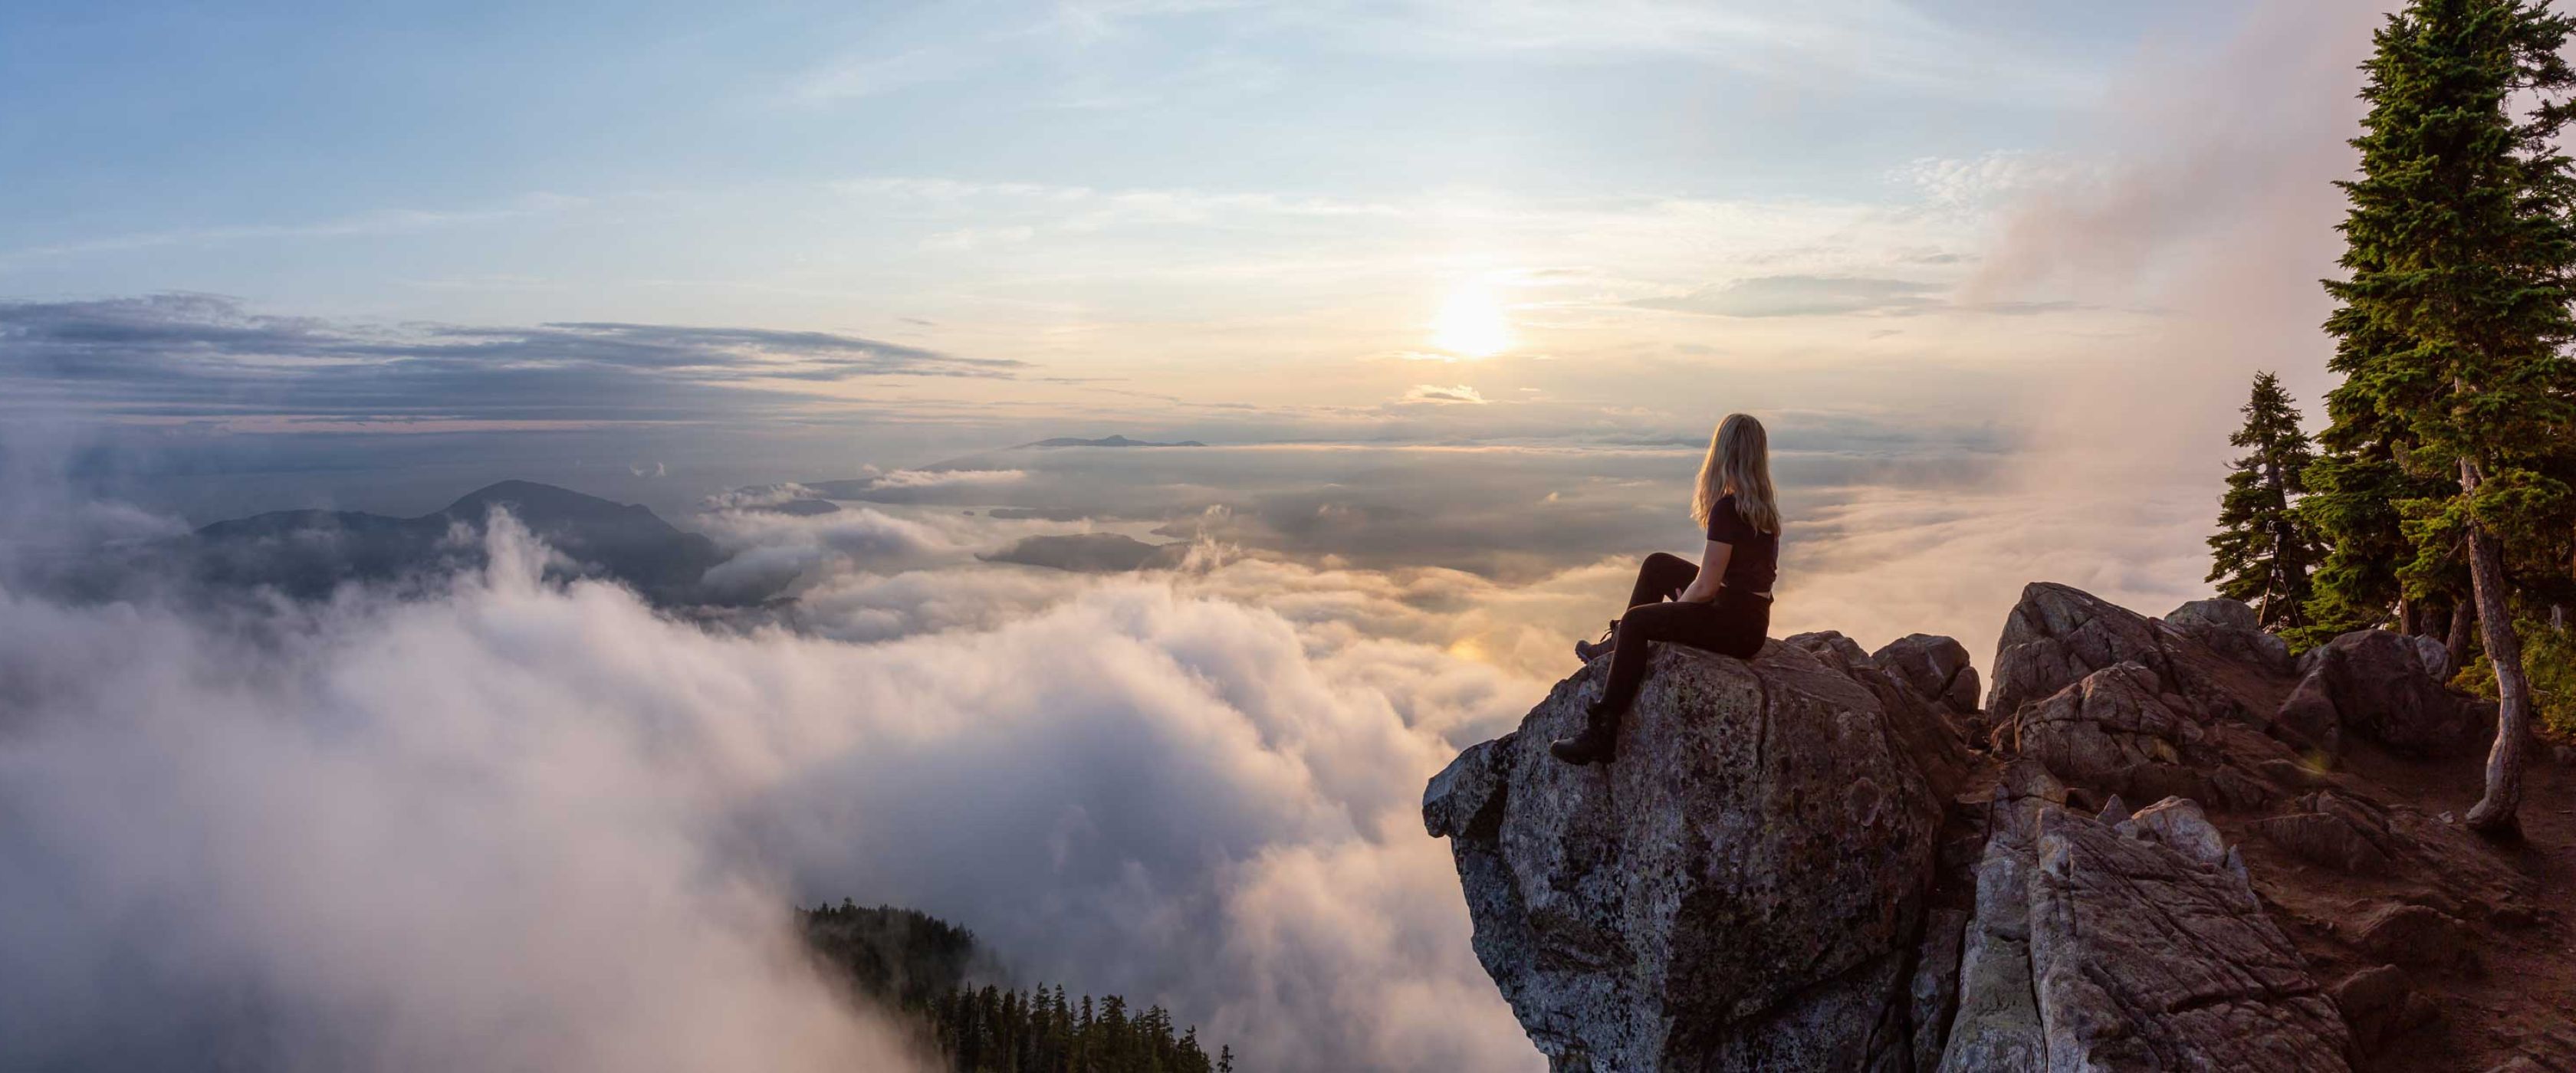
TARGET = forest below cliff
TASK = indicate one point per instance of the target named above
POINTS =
(929, 971)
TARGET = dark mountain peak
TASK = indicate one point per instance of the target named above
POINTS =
(1112, 440)
(308, 553)
(282, 522)
(543, 506)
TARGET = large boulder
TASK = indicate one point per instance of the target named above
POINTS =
(1743, 888)
(2115, 732)
(1923, 722)
(2441, 863)
(2379, 684)
(2232, 629)
(2057, 635)
(2379, 1003)
(1935, 667)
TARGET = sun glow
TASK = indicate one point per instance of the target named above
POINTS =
(1471, 325)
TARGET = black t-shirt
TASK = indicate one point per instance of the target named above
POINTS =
(1755, 561)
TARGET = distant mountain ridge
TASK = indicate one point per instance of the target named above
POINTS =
(1112, 440)
(876, 490)
(308, 553)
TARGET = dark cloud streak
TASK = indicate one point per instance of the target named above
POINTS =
(206, 357)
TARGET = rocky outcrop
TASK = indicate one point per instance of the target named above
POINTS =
(2114, 731)
(1924, 722)
(1801, 862)
(2126, 942)
(1935, 668)
(2149, 950)
(2382, 686)
(1742, 889)
(2057, 635)
(2231, 629)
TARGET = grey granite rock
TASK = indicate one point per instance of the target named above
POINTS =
(2113, 732)
(2056, 635)
(2143, 957)
(1741, 889)
(1751, 884)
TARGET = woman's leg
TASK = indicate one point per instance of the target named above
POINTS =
(1650, 622)
(1659, 577)
(1689, 623)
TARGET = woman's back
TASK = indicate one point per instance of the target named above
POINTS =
(1755, 563)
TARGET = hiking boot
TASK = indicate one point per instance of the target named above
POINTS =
(1597, 744)
(1587, 651)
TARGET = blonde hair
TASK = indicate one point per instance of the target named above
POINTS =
(1739, 464)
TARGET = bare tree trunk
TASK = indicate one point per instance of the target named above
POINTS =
(2495, 812)
(2406, 615)
(2462, 613)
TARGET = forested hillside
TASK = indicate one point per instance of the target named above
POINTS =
(926, 968)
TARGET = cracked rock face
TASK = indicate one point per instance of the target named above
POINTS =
(2135, 945)
(1921, 720)
(1741, 889)
(2057, 635)
(2204, 979)
(2113, 730)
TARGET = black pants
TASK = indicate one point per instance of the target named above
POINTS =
(1734, 624)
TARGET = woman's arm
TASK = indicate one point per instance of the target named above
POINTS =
(1712, 566)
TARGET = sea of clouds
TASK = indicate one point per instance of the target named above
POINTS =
(492, 822)
(506, 824)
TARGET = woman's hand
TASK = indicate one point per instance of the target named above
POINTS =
(1712, 567)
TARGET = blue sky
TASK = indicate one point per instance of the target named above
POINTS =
(149, 117)
(1420, 221)
(273, 151)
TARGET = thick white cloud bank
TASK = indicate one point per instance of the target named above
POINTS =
(522, 826)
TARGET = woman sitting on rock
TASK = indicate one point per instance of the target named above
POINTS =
(1723, 606)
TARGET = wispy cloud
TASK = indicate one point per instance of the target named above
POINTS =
(1982, 180)
(1459, 393)
(1801, 296)
(206, 357)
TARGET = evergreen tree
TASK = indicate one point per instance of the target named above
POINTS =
(2459, 250)
(2264, 549)
(918, 965)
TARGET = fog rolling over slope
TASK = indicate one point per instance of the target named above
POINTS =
(1189, 779)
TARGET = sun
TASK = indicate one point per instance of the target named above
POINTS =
(1471, 325)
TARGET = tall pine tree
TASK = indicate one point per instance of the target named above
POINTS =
(2264, 549)
(2460, 247)
(2355, 486)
